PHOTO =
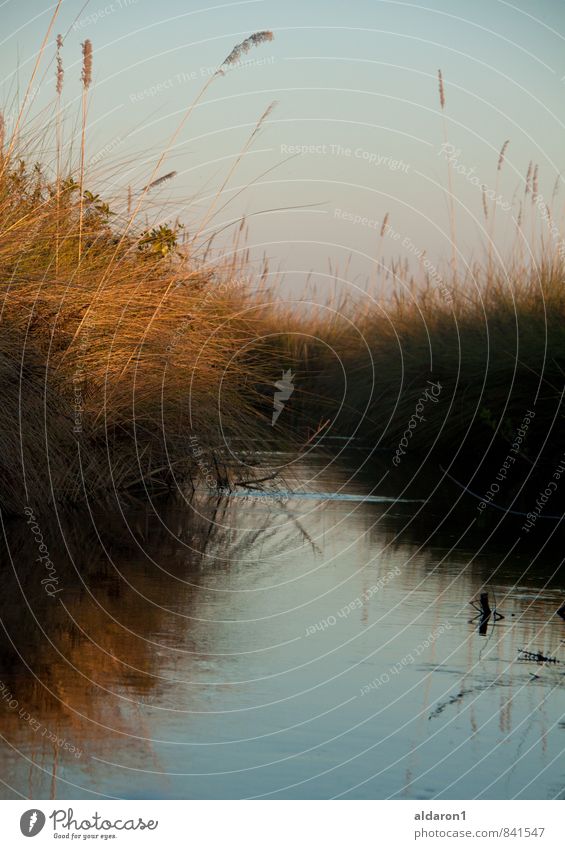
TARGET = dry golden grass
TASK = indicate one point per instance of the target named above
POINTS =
(116, 343)
(133, 339)
(496, 345)
(494, 337)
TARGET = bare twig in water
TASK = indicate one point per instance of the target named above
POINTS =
(319, 429)
(251, 482)
(453, 700)
(537, 656)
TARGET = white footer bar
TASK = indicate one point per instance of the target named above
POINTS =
(284, 824)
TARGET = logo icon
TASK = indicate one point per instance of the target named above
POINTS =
(285, 389)
(32, 822)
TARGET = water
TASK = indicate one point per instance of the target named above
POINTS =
(293, 647)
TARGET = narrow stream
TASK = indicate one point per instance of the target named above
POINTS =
(301, 644)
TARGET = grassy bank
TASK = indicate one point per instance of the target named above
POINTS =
(128, 353)
(129, 364)
(131, 358)
(458, 371)
(115, 349)
(456, 384)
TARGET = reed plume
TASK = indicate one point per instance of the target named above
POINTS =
(60, 72)
(535, 185)
(86, 78)
(528, 178)
(245, 46)
(273, 105)
(379, 246)
(502, 154)
(441, 89)
(555, 188)
(534, 192)
(500, 163)
(160, 181)
(86, 75)
(449, 180)
(59, 75)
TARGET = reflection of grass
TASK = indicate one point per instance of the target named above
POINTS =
(135, 603)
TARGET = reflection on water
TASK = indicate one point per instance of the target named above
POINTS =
(290, 647)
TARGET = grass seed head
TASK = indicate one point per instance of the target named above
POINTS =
(502, 154)
(441, 89)
(246, 45)
(86, 75)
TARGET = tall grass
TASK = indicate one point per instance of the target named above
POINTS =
(490, 439)
(116, 343)
(152, 364)
(497, 345)
(493, 338)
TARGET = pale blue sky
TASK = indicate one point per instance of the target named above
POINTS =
(361, 75)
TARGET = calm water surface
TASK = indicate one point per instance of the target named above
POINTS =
(308, 646)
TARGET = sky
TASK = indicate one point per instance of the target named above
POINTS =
(356, 132)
